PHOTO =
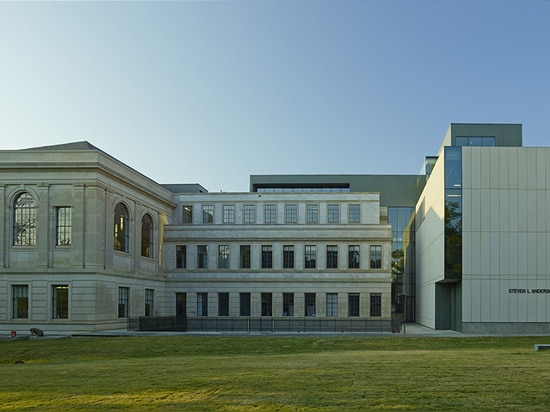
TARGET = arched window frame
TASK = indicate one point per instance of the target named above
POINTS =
(121, 228)
(25, 213)
(147, 236)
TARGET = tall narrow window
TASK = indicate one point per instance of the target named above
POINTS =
(249, 214)
(228, 213)
(121, 229)
(202, 304)
(181, 256)
(291, 213)
(312, 213)
(333, 213)
(309, 299)
(24, 220)
(63, 226)
(288, 304)
(123, 301)
(355, 213)
(376, 257)
(223, 256)
(187, 214)
(376, 304)
(149, 302)
(267, 304)
(267, 256)
(147, 236)
(244, 304)
(244, 257)
(332, 257)
(20, 296)
(288, 256)
(353, 257)
(310, 256)
(60, 302)
(332, 304)
(202, 256)
(353, 304)
(270, 215)
(223, 304)
(208, 214)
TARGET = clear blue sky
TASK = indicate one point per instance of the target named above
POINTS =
(212, 91)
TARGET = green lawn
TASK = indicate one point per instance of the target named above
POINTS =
(298, 373)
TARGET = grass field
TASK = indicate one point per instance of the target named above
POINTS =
(299, 373)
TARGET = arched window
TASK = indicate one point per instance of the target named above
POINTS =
(147, 236)
(24, 220)
(121, 229)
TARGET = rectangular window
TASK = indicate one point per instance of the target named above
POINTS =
(376, 257)
(310, 256)
(332, 304)
(332, 257)
(202, 256)
(353, 257)
(208, 214)
(333, 213)
(20, 296)
(376, 304)
(202, 304)
(244, 304)
(60, 302)
(288, 304)
(181, 256)
(223, 304)
(63, 226)
(267, 256)
(267, 304)
(312, 214)
(149, 301)
(353, 304)
(223, 256)
(249, 214)
(288, 256)
(270, 214)
(355, 213)
(244, 257)
(123, 301)
(291, 213)
(228, 214)
(309, 299)
(187, 214)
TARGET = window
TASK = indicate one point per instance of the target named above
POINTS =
(121, 229)
(288, 304)
(244, 257)
(355, 213)
(353, 256)
(270, 214)
(187, 214)
(353, 304)
(288, 257)
(207, 214)
(267, 304)
(149, 301)
(309, 299)
(228, 214)
(244, 304)
(223, 304)
(24, 220)
(291, 213)
(267, 256)
(181, 256)
(147, 236)
(332, 304)
(202, 304)
(376, 304)
(376, 257)
(123, 296)
(202, 256)
(249, 214)
(333, 213)
(223, 256)
(63, 226)
(312, 214)
(60, 302)
(310, 256)
(20, 296)
(332, 257)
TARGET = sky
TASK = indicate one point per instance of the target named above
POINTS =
(212, 92)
